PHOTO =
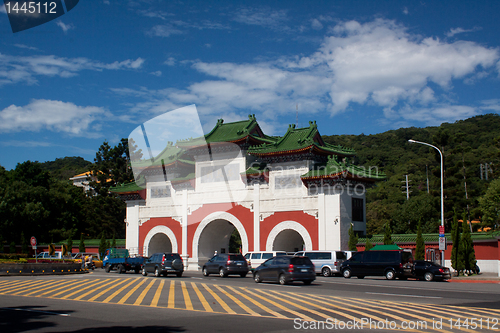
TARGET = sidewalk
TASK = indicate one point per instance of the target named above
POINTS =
(476, 278)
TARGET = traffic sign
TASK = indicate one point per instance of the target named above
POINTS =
(33, 241)
(442, 243)
(441, 231)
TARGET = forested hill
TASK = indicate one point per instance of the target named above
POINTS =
(67, 167)
(467, 144)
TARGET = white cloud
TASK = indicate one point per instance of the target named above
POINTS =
(51, 115)
(157, 73)
(65, 27)
(170, 61)
(455, 31)
(405, 11)
(316, 24)
(19, 69)
(402, 75)
(22, 46)
(264, 17)
(165, 30)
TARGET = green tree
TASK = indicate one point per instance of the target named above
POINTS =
(420, 247)
(353, 239)
(24, 244)
(455, 250)
(12, 247)
(102, 245)
(467, 254)
(388, 235)
(368, 244)
(81, 246)
(69, 242)
(113, 240)
(489, 204)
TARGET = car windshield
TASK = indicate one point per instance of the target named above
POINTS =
(236, 257)
(300, 261)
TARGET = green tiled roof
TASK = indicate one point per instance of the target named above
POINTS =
(428, 238)
(168, 156)
(230, 132)
(256, 169)
(337, 169)
(300, 139)
(126, 188)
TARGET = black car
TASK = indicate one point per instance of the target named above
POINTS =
(163, 264)
(226, 264)
(428, 271)
(285, 269)
(389, 263)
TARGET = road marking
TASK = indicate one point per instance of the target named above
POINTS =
(260, 305)
(18, 284)
(297, 314)
(79, 285)
(126, 297)
(85, 287)
(401, 295)
(38, 287)
(93, 298)
(218, 299)
(156, 297)
(237, 301)
(139, 299)
(171, 295)
(64, 286)
(187, 299)
(110, 297)
(202, 299)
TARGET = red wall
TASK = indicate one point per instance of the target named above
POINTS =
(309, 222)
(174, 225)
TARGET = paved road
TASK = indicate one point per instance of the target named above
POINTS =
(194, 302)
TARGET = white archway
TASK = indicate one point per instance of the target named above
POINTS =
(214, 217)
(292, 226)
(160, 229)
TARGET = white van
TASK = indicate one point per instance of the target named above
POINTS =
(46, 255)
(326, 263)
(254, 259)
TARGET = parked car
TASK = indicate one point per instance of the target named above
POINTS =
(391, 264)
(326, 263)
(428, 271)
(163, 264)
(254, 259)
(96, 258)
(226, 264)
(121, 260)
(46, 255)
(285, 269)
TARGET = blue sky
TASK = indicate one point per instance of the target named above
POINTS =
(105, 67)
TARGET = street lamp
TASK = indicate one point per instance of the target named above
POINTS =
(442, 188)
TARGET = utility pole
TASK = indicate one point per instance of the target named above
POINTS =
(407, 186)
(427, 176)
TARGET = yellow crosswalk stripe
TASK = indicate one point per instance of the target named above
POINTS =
(89, 286)
(110, 297)
(143, 294)
(295, 313)
(18, 284)
(156, 298)
(171, 295)
(237, 301)
(126, 297)
(93, 298)
(79, 284)
(218, 299)
(260, 305)
(32, 289)
(187, 299)
(202, 299)
(63, 286)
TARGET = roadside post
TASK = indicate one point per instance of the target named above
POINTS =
(33, 246)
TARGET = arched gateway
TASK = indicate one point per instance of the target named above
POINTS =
(280, 193)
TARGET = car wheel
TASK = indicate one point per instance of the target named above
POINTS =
(121, 269)
(205, 271)
(346, 273)
(282, 279)
(107, 268)
(157, 272)
(256, 278)
(428, 276)
(389, 275)
(222, 273)
(243, 275)
(326, 272)
(179, 274)
(307, 282)
(144, 271)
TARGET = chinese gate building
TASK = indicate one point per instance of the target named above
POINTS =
(280, 193)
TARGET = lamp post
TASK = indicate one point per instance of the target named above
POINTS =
(442, 188)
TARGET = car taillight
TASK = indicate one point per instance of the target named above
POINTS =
(162, 259)
(290, 268)
(228, 260)
(441, 270)
(336, 263)
(400, 265)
